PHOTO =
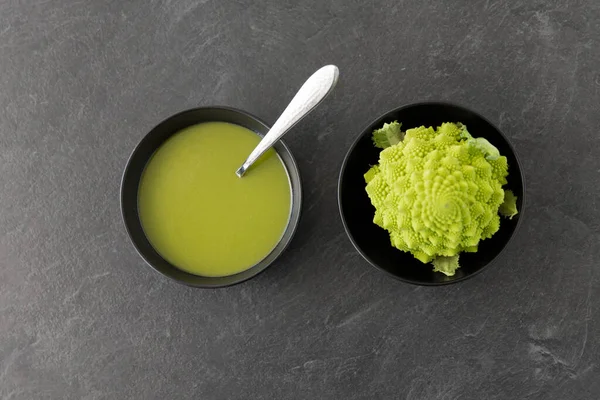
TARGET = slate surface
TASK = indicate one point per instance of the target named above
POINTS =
(82, 317)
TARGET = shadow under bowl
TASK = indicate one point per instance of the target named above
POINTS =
(137, 163)
(373, 242)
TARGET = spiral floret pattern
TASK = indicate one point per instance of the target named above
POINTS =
(437, 192)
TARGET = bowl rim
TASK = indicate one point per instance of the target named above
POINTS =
(383, 116)
(291, 227)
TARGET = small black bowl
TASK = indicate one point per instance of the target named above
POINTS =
(373, 242)
(137, 163)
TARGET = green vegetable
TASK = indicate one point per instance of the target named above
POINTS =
(509, 207)
(389, 135)
(446, 265)
(437, 192)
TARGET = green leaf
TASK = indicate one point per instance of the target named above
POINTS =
(489, 150)
(464, 133)
(509, 207)
(371, 173)
(389, 135)
(446, 265)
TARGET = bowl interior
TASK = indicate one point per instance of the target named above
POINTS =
(357, 212)
(140, 157)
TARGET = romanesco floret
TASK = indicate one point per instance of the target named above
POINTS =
(437, 192)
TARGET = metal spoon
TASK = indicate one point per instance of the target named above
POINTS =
(314, 90)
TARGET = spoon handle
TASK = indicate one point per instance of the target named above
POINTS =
(314, 90)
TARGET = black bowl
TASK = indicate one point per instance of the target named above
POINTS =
(373, 242)
(140, 157)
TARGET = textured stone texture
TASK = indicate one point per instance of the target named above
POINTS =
(82, 317)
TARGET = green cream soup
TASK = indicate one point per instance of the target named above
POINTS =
(199, 215)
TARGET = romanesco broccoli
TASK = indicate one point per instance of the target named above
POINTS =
(437, 192)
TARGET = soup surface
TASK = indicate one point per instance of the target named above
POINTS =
(199, 215)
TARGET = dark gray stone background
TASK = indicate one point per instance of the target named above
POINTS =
(82, 316)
